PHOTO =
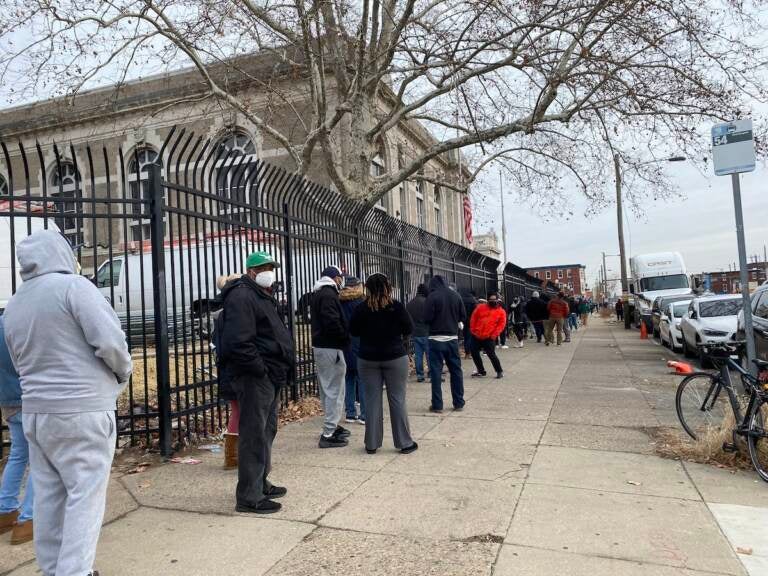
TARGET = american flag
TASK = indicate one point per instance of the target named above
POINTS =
(468, 219)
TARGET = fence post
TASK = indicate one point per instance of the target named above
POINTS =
(162, 361)
(404, 296)
(358, 254)
(288, 276)
(431, 264)
(455, 275)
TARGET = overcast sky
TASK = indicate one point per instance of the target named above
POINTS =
(699, 223)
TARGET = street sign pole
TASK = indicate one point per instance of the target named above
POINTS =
(743, 272)
(733, 152)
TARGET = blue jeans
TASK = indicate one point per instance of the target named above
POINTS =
(353, 389)
(447, 352)
(10, 489)
(420, 349)
(573, 321)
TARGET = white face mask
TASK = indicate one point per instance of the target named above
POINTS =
(265, 279)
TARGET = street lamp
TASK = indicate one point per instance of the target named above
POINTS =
(620, 219)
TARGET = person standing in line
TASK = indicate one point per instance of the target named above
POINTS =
(619, 310)
(487, 322)
(351, 296)
(469, 300)
(257, 357)
(584, 311)
(536, 310)
(502, 339)
(15, 516)
(330, 337)
(558, 313)
(382, 324)
(416, 310)
(231, 436)
(444, 313)
(518, 320)
(70, 352)
(573, 313)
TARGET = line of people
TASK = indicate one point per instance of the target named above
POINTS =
(554, 318)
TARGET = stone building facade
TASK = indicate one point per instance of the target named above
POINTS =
(131, 122)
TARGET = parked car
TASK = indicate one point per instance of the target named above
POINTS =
(660, 303)
(669, 324)
(708, 320)
(759, 322)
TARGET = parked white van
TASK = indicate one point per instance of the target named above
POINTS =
(654, 275)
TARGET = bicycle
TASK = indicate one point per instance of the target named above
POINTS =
(701, 406)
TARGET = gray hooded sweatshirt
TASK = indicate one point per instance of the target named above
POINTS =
(63, 337)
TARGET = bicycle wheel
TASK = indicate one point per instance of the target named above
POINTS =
(701, 404)
(757, 440)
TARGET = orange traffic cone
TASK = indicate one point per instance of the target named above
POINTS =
(680, 367)
(643, 331)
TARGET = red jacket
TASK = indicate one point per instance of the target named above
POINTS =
(558, 309)
(487, 323)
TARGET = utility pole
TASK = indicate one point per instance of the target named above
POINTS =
(620, 219)
(605, 281)
(503, 220)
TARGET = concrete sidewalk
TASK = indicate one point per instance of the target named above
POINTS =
(549, 471)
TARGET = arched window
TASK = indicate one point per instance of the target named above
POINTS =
(437, 205)
(138, 188)
(66, 190)
(378, 169)
(234, 174)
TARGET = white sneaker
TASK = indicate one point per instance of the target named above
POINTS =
(350, 420)
(505, 347)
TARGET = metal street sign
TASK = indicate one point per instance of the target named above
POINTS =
(733, 149)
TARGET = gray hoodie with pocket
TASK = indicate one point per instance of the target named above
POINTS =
(63, 337)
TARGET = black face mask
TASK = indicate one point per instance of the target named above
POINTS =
(493, 304)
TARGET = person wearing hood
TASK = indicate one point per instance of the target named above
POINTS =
(444, 312)
(351, 296)
(226, 392)
(470, 301)
(15, 516)
(70, 352)
(256, 357)
(536, 310)
(417, 309)
(330, 337)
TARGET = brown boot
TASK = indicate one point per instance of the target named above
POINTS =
(7, 521)
(230, 451)
(22, 533)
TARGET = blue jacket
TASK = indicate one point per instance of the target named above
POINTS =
(10, 386)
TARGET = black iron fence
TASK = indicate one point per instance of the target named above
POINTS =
(155, 229)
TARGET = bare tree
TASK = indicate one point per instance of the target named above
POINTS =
(538, 85)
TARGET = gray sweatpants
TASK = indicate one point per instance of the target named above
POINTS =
(373, 376)
(70, 458)
(331, 369)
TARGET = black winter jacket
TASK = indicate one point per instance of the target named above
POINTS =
(254, 342)
(536, 310)
(444, 309)
(381, 332)
(417, 309)
(329, 328)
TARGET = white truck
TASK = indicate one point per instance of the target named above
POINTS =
(654, 275)
(22, 226)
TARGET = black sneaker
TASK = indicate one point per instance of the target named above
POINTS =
(412, 448)
(371, 450)
(435, 410)
(263, 507)
(419, 379)
(276, 492)
(499, 375)
(458, 408)
(478, 374)
(341, 432)
(332, 442)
